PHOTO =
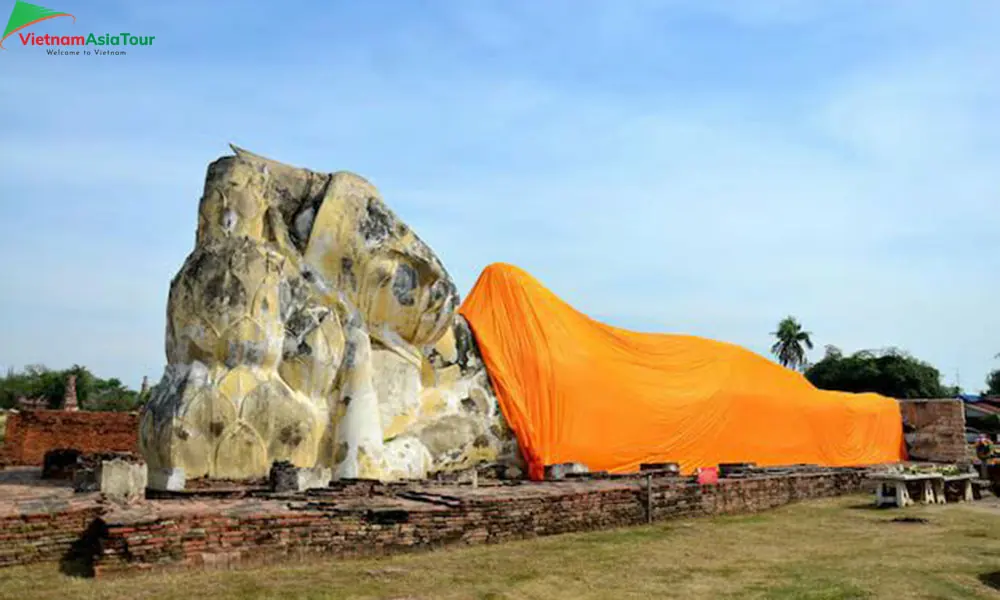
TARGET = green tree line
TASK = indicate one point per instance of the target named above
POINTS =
(92, 392)
(890, 372)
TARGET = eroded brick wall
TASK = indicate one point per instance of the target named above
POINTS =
(30, 434)
(232, 536)
(42, 537)
(939, 434)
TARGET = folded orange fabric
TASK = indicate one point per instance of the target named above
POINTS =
(577, 390)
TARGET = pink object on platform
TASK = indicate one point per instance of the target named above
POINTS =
(708, 475)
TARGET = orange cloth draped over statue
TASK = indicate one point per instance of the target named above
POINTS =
(576, 390)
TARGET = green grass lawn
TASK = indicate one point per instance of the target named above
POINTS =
(826, 549)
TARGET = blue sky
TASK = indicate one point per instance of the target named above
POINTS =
(693, 167)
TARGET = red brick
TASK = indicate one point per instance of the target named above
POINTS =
(30, 434)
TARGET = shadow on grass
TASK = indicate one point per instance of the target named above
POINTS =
(916, 520)
(991, 579)
(868, 506)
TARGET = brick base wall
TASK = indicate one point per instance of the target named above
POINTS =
(42, 537)
(30, 434)
(262, 532)
(939, 434)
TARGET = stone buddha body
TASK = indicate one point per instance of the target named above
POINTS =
(311, 325)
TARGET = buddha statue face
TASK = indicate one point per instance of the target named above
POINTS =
(357, 246)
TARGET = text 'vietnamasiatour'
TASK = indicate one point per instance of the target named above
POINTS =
(121, 39)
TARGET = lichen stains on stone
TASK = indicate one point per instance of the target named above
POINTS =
(201, 263)
(225, 289)
(298, 325)
(290, 435)
(439, 290)
(404, 284)
(347, 272)
(382, 276)
(350, 353)
(303, 226)
(216, 427)
(254, 352)
(376, 224)
(465, 343)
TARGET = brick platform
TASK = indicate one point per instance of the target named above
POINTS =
(30, 434)
(42, 521)
(214, 533)
(367, 518)
(939, 426)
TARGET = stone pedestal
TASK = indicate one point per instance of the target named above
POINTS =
(122, 481)
(561, 470)
(117, 479)
(285, 477)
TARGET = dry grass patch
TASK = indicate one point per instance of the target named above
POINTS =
(827, 549)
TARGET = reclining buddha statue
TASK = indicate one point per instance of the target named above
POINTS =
(311, 326)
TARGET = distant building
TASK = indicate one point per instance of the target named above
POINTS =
(982, 415)
(983, 407)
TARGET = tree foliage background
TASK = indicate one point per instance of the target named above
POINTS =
(993, 382)
(92, 392)
(889, 372)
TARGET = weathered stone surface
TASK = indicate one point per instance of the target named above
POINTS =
(170, 480)
(85, 480)
(69, 399)
(935, 430)
(286, 477)
(311, 325)
(562, 470)
(121, 480)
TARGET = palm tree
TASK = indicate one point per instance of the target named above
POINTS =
(789, 347)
